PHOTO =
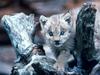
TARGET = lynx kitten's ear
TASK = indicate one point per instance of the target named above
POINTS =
(43, 20)
(67, 17)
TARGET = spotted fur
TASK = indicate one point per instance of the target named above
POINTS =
(59, 34)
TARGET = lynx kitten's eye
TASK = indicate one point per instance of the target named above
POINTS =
(69, 31)
(50, 33)
(62, 33)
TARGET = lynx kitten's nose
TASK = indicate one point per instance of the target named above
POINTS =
(57, 42)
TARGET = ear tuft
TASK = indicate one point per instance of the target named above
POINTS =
(43, 20)
(67, 16)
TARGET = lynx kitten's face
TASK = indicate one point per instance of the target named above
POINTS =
(57, 28)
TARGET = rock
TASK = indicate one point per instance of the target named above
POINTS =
(85, 36)
(96, 70)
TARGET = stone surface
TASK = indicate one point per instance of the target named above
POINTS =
(85, 48)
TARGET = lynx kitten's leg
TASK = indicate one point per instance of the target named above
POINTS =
(62, 60)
